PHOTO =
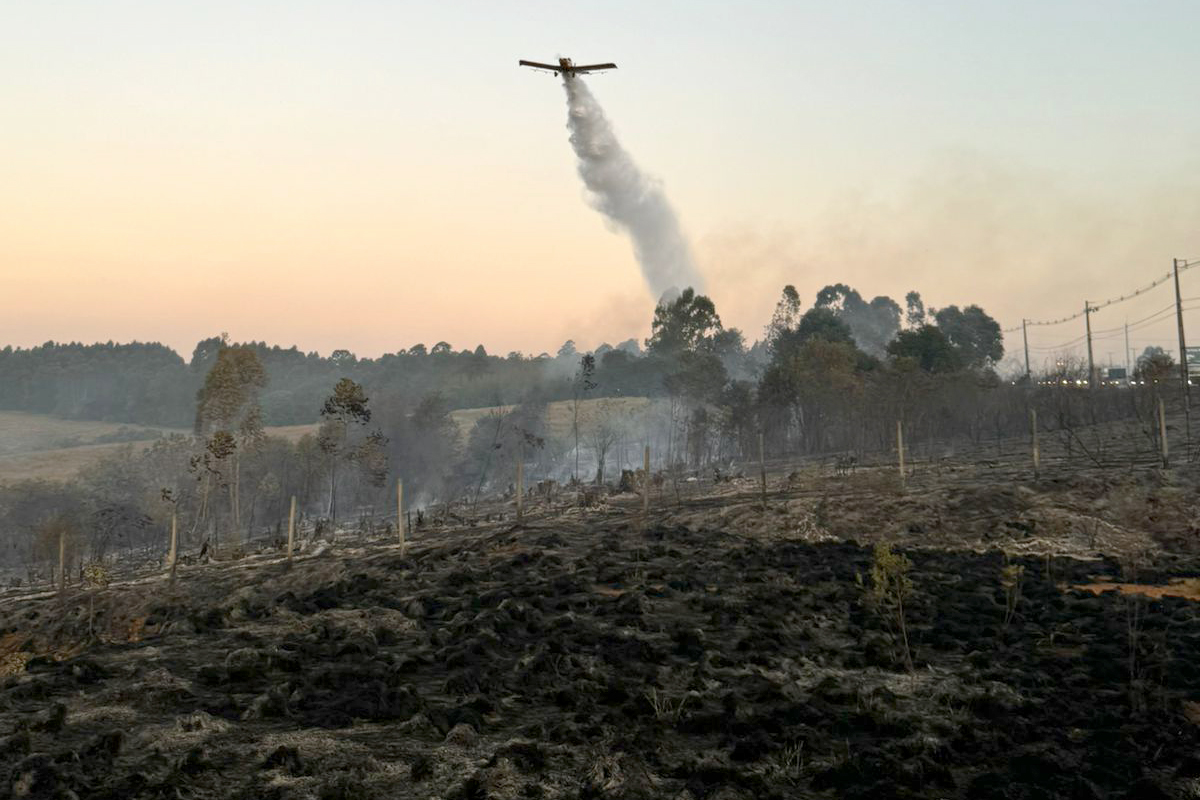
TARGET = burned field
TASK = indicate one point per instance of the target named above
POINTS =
(722, 651)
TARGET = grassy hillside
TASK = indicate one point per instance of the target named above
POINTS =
(558, 416)
(37, 446)
(27, 433)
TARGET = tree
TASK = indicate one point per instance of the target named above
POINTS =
(426, 444)
(1154, 364)
(687, 323)
(229, 417)
(815, 388)
(343, 410)
(606, 430)
(343, 359)
(914, 314)
(872, 324)
(581, 385)
(974, 334)
(928, 347)
(785, 317)
(478, 364)
(890, 587)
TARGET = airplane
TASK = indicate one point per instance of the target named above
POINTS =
(567, 68)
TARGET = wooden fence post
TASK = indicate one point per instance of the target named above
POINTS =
(173, 556)
(291, 529)
(62, 559)
(1033, 434)
(520, 484)
(762, 467)
(1162, 431)
(400, 513)
(646, 485)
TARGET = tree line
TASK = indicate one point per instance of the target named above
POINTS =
(835, 377)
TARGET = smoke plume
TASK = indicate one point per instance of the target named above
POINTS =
(629, 199)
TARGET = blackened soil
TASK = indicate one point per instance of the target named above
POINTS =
(601, 661)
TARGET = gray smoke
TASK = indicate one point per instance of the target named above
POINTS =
(629, 199)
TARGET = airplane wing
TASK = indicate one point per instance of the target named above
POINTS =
(593, 67)
(552, 67)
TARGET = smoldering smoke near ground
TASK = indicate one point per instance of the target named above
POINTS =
(629, 199)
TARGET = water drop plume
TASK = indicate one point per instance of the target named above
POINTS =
(630, 200)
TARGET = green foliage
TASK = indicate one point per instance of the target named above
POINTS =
(914, 315)
(890, 588)
(686, 324)
(816, 323)
(96, 575)
(1010, 580)
(342, 437)
(974, 334)
(872, 324)
(785, 317)
(228, 400)
(928, 347)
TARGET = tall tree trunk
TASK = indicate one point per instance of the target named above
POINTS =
(232, 511)
(236, 494)
(332, 489)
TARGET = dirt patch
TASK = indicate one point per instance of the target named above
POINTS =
(1186, 588)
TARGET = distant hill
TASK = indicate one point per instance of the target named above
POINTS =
(40, 446)
(149, 384)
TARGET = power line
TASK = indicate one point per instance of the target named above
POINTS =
(1111, 333)
(1164, 310)
(1093, 307)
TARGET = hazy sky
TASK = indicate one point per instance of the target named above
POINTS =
(371, 175)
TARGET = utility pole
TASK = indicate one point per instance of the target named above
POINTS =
(1087, 318)
(1183, 364)
(1128, 370)
(1025, 336)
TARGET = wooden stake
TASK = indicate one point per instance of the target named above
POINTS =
(1162, 431)
(400, 513)
(62, 559)
(646, 485)
(291, 529)
(762, 467)
(1033, 434)
(520, 485)
(900, 448)
(172, 556)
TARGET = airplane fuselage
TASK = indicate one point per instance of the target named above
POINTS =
(567, 67)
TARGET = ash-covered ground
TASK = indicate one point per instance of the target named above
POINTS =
(722, 650)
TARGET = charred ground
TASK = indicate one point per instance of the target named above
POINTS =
(723, 650)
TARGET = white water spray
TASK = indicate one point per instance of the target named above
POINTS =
(629, 199)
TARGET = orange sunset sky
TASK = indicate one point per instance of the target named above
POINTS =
(370, 175)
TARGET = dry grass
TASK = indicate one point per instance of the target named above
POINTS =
(1187, 588)
(38, 446)
(558, 416)
(55, 464)
(28, 433)
(35, 446)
